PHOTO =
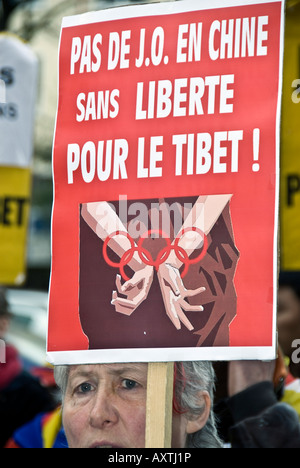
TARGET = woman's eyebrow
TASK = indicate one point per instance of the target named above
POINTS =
(125, 369)
(81, 374)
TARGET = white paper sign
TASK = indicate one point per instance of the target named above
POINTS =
(18, 86)
(166, 165)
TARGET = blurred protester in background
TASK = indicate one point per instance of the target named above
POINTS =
(289, 316)
(21, 395)
(12, 366)
(249, 391)
(247, 406)
(289, 333)
(44, 431)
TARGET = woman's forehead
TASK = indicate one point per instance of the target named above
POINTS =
(113, 369)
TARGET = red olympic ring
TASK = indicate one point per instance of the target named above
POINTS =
(125, 260)
(149, 261)
(130, 252)
(163, 255)
(205, 243)
(202, 254)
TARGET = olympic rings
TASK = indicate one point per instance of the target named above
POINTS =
(160, 258)
(126, 258)
(163, 255)
(202, 253)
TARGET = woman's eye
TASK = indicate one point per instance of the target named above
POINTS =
(129, 384)
(84, 388)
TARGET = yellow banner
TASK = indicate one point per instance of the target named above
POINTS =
(290, 144)
(15, 190)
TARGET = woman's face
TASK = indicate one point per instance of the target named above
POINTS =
(288, 318)
(105, 406)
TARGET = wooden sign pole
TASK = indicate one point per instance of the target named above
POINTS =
(159, 405)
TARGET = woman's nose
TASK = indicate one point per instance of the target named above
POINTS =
(104, 412)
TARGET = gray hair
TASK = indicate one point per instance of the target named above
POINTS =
(61, 375)
(190, 379)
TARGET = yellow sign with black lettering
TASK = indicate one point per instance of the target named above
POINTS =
(15, 190)
(290, 144)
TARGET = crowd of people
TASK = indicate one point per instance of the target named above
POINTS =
(238, 404)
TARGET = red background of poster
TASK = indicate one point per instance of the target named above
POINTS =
(253, 202)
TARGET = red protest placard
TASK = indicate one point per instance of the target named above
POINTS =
(166, 150)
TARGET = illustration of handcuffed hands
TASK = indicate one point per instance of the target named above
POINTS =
(106, 224)
(174, 293)
(136, 291)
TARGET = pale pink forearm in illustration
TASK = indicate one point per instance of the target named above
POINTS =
(104, 221)
(203, 216)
